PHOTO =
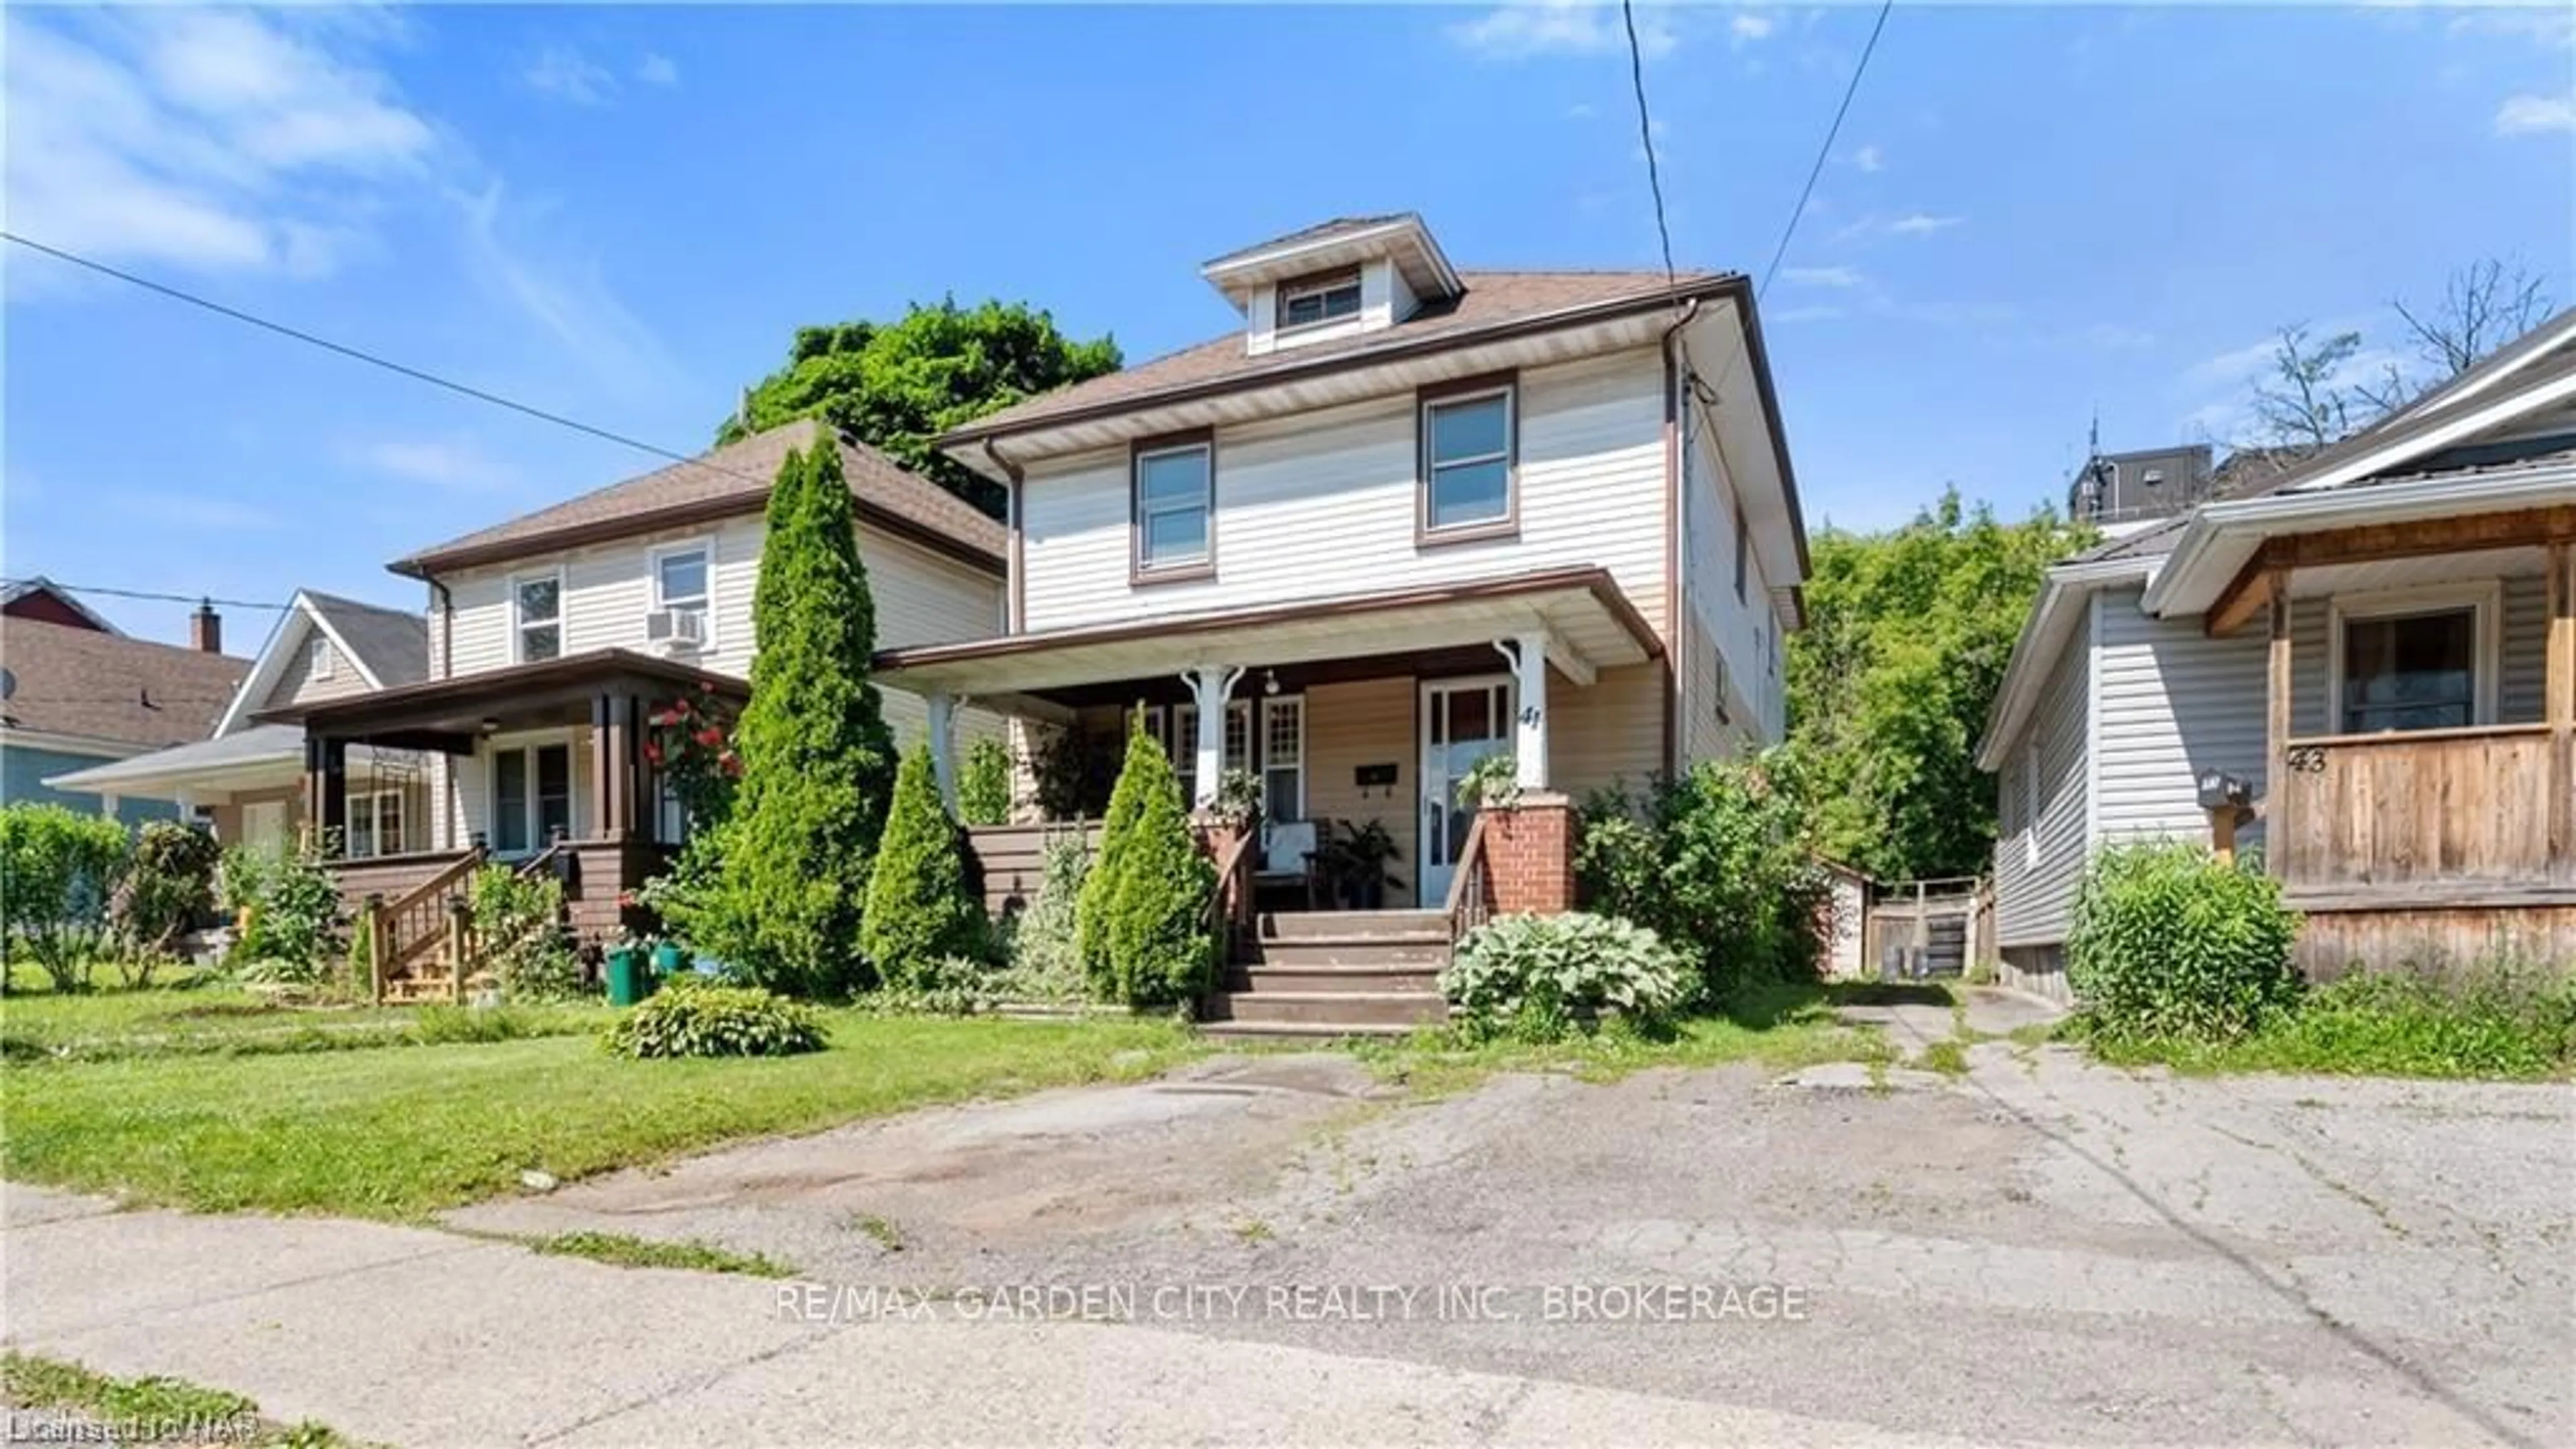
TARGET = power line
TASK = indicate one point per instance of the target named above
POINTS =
(147, 594)
(1646, 136)
(1831, 134)
(371, 359)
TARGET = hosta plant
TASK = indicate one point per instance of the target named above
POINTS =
(716, 1021)
(1542, 977)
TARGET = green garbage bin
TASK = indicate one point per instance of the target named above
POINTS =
(628, 983)
(669, 960)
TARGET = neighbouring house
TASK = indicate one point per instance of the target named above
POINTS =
(47, 602)
(552, 637)
(246, 778)
(2375, 647)
(2115, 488)
(1399, 519)
(74, 695)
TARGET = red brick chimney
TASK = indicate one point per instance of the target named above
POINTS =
(206, 629)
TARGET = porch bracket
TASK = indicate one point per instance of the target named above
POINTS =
(1528, 654)
(1210, 686)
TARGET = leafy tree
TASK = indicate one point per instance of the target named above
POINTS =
(895, 386)
(919, 914)
(58, 871)
(789, 889)
(1907, 639)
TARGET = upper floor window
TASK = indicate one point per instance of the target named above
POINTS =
(321, 666)
(1175, 494)
(538, 603)
(680, 593)
(1469, 453)
(1312, 301)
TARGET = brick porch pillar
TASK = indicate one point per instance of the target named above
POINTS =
(1530, 851)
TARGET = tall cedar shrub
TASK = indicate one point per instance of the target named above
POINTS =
(1100, 887)
(817, 760)
(1158, 940)
(984, 787)
(919, 913)
(2168, 941)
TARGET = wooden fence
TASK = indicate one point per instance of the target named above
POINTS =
(1929, 928)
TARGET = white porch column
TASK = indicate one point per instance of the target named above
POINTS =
(1528, 656)
(1210, 686)
(943, 746)
(107, 803)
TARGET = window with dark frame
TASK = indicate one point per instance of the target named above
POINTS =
(1313, 301)
(2410, 671)
(1467, 460)
(1719, 657)
(1743, 550)
(1175, 493)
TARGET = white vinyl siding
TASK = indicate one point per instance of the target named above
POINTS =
(2172, 702)
(1743, 628)
(2035, 889)
(1323, 504)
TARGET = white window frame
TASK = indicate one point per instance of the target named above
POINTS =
(1148, 566)
(320, 663)
(519, 626)
(1320, 285)
(1282, 704)
(533, 812)
(706, 605)
(2484, 600)
(1431, 464)
(374, 801)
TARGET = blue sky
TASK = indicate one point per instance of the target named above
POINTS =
(622, 213)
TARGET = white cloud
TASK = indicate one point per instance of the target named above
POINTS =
(1836, 277)
(656, 69)
(1559, 27)
(2529, 115)
(566, 296)
(1869, 158)
(2547, 26)
(568, 75)
(1805, 314)
(209, 141)
(1747, 27)
(1921, 224)
(197, 512)
(1580, 111)
(452, 464)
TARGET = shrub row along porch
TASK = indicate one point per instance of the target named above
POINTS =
(1357, 718)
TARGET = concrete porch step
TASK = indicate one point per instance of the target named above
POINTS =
(1402, 1009)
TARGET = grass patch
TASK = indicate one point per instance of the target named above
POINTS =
(400, 1134)
(224, 1020)
(149, 1409)
(2490, 1026)
(1781, 1027)
(623, 1251)
(879, 1230)
(1949, 1057)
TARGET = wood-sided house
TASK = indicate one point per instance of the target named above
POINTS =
(2380, 644)
(1398, 519)
(552, 637)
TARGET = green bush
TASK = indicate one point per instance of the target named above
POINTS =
(984, 790)
(687, 1020)
(1152, 890)
(518, 928)
(1045, 956)
(781, 886)
(1719, 864)
(169, 882)
(1541, 978)
(2168, 941)
(918, 910)
(58, 872)
(294, 917)
(1118, 830)
(941, 986)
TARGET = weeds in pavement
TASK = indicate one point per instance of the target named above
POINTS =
(878, 1230)
(143, 1409)
(2493, 1022)
(620, 1250)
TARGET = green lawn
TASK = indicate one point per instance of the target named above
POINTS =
(402, 1131)
(187, 1017)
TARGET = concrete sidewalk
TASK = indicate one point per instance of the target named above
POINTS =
(416, 1337)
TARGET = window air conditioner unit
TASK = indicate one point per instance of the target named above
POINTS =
(676, 629)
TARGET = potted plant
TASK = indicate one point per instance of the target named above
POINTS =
(1355, 859)
(1238, 799)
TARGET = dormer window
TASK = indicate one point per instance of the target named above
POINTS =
(1313, 301)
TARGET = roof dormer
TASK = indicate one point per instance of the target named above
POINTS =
(1347, 276)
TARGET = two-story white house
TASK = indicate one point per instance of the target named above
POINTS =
(552, 637)
(1402, 518)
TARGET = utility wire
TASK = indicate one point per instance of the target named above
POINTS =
(1646, 137)
(147, 594)
(371, 359)
(1822, 152)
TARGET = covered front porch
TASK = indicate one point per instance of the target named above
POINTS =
(544, 766)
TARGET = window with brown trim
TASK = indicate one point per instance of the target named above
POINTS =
(1175, 504)
(1314, 301)
(1470, 461)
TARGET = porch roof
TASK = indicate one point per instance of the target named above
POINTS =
(445, 714)
(1591, 625)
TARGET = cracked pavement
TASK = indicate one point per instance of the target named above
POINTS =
(2040, 1251)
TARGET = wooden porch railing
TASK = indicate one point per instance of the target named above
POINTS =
(1229, 911)
(409, 929)
(2447, 810)
(1471, 895)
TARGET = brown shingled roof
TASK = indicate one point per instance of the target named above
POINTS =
(71, 681)
(1320, 231)
(1493, 302)
(732, 479)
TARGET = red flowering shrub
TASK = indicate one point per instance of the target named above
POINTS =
(691, 743)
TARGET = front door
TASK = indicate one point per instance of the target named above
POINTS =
(1463, 721)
